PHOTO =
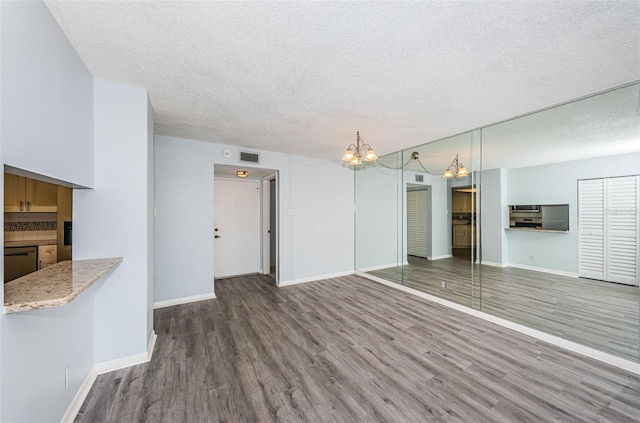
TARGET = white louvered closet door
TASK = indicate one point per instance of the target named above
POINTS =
(621, 214)
(591, 228)
(609, 229)
(417, 223)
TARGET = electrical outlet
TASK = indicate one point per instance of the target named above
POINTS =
(66, 376)
(443, 284)
(532, 257)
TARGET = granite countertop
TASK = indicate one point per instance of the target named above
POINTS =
(31, 243)
(55, 285)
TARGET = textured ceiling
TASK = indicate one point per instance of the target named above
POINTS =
(303, 77)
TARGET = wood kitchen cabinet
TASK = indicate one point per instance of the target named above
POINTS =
(29, 195)
(462, 202)
(463, 236)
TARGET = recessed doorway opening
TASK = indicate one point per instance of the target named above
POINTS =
(245, 227)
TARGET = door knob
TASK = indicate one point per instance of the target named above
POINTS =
(217, 236)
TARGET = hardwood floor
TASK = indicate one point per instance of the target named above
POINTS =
(598, 314)
(351, 350)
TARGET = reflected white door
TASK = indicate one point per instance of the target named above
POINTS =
(236, 227)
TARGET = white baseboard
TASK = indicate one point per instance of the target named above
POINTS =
(552, 339)
(78, 399)
(379, 267)
(101, 368)
(184, 300)
(542, 269)
(314, 278)
(446, 256)
(151, 345)
(132, 360)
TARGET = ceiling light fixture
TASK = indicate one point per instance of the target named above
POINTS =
(242, 173)
(355, 152)
(456, 168)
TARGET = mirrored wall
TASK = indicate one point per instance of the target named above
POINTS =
(542, 230)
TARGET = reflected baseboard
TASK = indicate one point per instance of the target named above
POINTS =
(380, 267)
(446, 256)
(542, 269)
(494, 264)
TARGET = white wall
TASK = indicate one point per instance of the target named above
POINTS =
(378, 225)
(494, 216)
(47, 128)
(150, 214)
(37, 347)
(313, 239)
(112, 219)
(557, 184)
(47, 92)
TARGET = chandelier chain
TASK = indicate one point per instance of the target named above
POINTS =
(416, 158)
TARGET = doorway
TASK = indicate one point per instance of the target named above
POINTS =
(245, 209)
(418, 221)
(463, 222)
(270, 226)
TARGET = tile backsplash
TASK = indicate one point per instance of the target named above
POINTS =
(30, 226)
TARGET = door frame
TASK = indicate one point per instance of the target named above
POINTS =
(266, 223)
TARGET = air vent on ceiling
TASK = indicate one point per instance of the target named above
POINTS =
(245, 156)
(419, 178)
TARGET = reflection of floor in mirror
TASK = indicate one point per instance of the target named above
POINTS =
(598, 314)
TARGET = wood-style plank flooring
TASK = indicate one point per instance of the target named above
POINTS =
(351, 350)
(598, 314)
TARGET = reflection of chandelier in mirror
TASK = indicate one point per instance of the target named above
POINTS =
(456, 168)
(356, 151)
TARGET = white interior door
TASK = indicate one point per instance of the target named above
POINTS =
(236, 227)
(622, 230)
(591, 229)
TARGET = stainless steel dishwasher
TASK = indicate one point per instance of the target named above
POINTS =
(19, 261)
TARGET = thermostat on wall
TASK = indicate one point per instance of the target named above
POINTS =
(226, 154)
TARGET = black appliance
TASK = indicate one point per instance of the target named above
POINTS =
(526, 208)
(19, 261)
(66, 226)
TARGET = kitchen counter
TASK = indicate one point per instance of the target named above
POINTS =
(31, 242)
(537, 230)
(55, 285)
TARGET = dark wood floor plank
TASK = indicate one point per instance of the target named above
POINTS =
(351, 350)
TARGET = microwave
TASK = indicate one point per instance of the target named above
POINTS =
(526, 208)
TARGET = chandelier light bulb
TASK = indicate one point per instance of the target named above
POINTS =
(348, 155)
(370, 156)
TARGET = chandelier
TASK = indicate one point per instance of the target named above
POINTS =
(355, 152)
(456, 168)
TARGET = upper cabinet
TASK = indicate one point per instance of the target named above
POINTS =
(461, 202)
(29, 195)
